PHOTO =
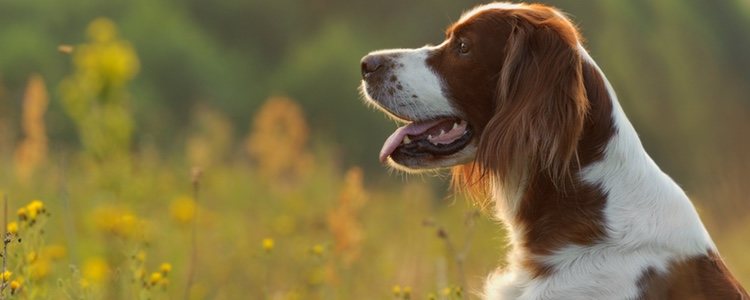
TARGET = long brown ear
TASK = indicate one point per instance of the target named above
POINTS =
(541, 101)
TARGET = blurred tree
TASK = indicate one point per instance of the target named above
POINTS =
(676, 60)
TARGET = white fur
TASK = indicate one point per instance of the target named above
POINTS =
(416, 78)
(498, 5)
(650, 222)
(491, 6)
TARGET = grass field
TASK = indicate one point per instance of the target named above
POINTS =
(157, 226)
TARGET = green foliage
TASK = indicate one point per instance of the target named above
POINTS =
(234, 54)
(328, 57)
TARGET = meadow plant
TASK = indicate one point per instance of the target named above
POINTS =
(32, 151)
(211, 140)
(343, 219)
(277, 142)
(7, 132)
(95, 95)
(26, 257)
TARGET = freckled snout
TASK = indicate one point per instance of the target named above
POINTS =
(371, 64)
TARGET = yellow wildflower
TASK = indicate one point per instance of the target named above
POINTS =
(6, 275)
(268, 244)
(407, 292)
(36, 205)
(139, 273)
(447, 291)
(102, 30)
(22, 213)
(397, 290)
(126, 225)
(317, 250)
(183, 209)
(31, 257)
(15, 285)
(105, 217)
(155, 278)
(140, 256)
(12, 228)
(95, 269)
(165, 268)
(40, 268)
(119, 221)
(54, 251)
(35, 208)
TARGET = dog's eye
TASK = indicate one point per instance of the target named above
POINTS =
(463, 47)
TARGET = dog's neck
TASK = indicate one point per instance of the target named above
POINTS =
(615, 193)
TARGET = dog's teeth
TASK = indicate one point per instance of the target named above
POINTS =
(407, 140)
(455, 125)
(442, 132)
(429, 136)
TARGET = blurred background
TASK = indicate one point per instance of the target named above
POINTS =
(210, 150)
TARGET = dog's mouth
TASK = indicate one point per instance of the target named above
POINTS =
(419, 139)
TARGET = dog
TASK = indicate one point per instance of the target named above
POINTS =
(513, 102)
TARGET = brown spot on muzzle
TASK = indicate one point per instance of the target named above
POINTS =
(377, 67)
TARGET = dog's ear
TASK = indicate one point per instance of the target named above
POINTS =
(541, 101)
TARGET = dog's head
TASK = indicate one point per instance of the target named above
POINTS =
(503, 90)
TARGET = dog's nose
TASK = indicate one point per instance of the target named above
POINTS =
(371, 64)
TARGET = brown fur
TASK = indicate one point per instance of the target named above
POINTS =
(539, 110)
(535, 115)
(704, 277)
(549, 115)
(541, 101)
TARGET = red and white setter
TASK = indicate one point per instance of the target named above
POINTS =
(512, 100)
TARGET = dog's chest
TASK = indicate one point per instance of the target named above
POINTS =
(597, 272)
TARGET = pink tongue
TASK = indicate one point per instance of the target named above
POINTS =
(397, 136)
